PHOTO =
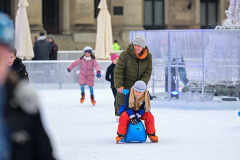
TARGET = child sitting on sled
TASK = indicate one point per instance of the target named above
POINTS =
(137, 107)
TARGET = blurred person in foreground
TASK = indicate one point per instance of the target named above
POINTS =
(22, 136)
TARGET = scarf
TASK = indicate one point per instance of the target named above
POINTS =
(135, 103)
(88, 58)
(142, 55)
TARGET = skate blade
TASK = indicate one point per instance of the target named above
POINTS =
(81, 101)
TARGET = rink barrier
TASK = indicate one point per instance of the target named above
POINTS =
(74, 54)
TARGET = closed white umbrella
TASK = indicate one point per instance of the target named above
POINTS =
(104, 41)
(23, 41)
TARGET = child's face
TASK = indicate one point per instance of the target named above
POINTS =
(115, 61)
(87, 54)
(11, 59)
(138, 94)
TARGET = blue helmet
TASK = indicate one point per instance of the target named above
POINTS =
(6, 30)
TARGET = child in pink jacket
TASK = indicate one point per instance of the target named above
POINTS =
(86, 76)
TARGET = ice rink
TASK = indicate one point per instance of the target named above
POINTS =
(86, 132)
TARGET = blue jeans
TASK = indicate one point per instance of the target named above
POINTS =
(83, 88)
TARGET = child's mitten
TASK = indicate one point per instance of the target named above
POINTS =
(98, 75)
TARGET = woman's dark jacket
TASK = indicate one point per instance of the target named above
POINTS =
(110, 74)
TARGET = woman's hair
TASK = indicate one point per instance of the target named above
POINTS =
(92, 56)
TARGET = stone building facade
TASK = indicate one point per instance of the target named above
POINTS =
(74, 23)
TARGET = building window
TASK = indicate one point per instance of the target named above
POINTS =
(96, 10)
(5, 6)
(118, 11)
(208, 14)
(154, 14)
(50, 16)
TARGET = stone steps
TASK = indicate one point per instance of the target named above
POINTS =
(66, 42)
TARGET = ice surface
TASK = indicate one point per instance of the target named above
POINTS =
(84, 132)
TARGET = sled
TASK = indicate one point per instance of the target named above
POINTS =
(135, 133)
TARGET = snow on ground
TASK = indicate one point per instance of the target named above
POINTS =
(86, 132)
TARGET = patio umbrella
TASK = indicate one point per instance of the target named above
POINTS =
(104, 41)
(23, 42)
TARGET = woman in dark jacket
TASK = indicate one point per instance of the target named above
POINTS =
(110, 77)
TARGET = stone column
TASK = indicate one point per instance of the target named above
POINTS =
(132, 17)
(166, 13)
(34, 11)
(222, 7)
(66, 17)
(84, 21)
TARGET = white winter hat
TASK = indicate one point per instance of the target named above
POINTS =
(140, 40)
(140, 86)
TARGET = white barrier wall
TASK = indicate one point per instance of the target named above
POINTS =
(54, 75)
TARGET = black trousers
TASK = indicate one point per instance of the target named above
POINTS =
(114, 91)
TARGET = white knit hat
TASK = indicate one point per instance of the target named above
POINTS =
(140, 86)
(140, 40)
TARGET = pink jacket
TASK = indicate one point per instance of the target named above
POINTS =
(86, 75)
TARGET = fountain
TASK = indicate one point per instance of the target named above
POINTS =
(233, 16)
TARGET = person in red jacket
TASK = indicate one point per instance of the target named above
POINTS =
(137, 107)
(86, 75)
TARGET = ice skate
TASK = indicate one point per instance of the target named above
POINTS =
(92, 100)
(119, 137)
(153, 137)
(83, 98)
